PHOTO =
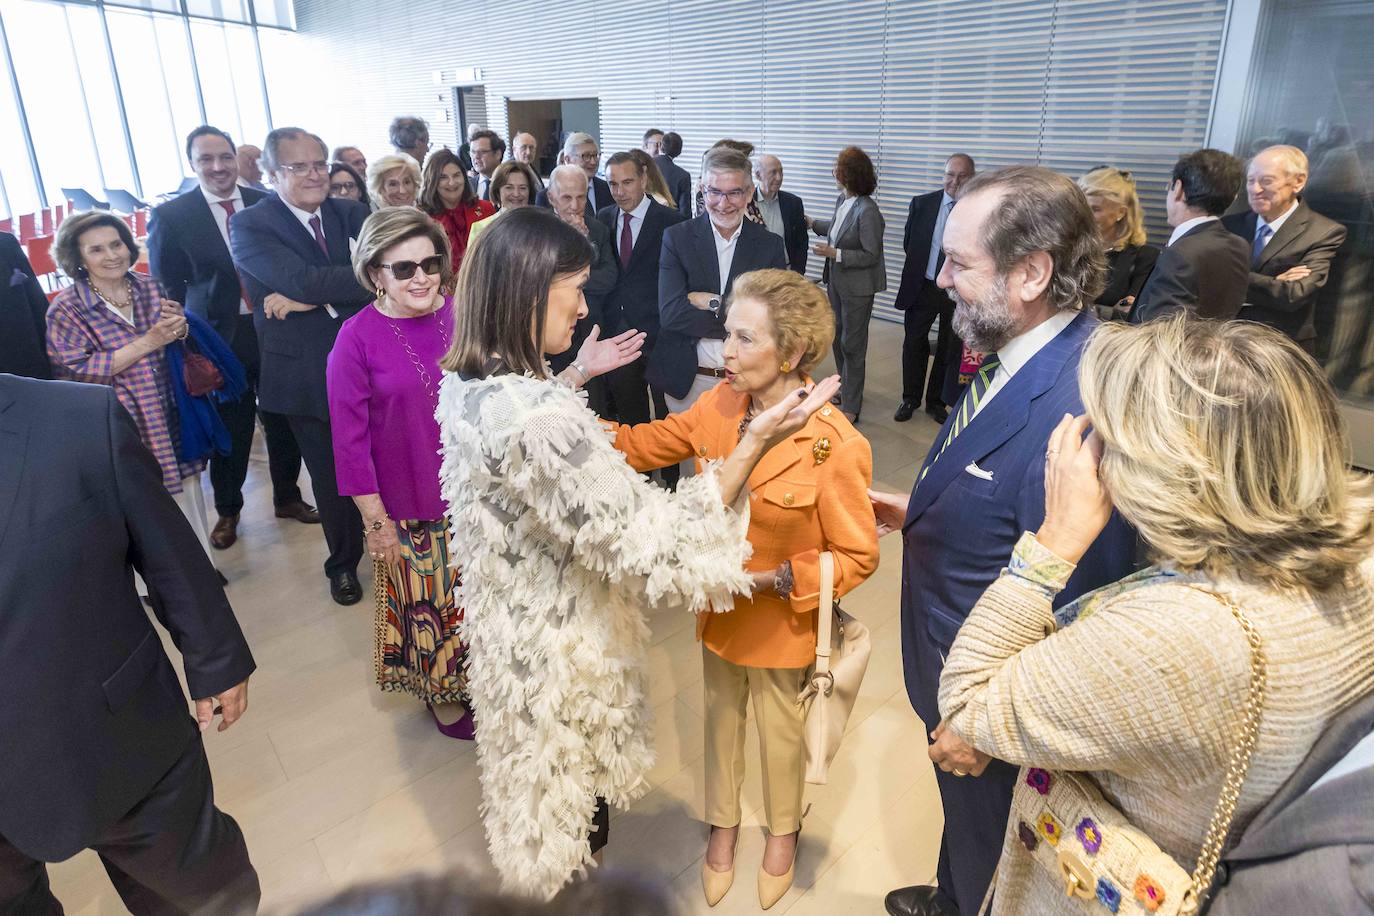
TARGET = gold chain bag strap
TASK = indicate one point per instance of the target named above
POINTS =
(843, 647)
(379, 580)
(1103, 860)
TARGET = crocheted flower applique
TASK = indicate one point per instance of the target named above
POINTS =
(1027, 836)
(1049, 828)
(1039, 780)
(1089, 836)
(1108, 895)
(1149, 893)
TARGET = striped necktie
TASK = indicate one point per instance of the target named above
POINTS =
(968, 405)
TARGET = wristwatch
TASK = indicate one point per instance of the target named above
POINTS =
(714, 306)
(783, 581)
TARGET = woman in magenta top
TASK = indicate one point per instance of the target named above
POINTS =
(383, 381)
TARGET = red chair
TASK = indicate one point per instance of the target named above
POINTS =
(27, 228)
(41, 259)
(6, 225)
(142, 267)
(140, 223)
(59, 213)
(47, 222)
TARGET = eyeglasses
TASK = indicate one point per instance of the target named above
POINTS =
(734, 196)
(404, 270)
(318, 167)
(342, 187)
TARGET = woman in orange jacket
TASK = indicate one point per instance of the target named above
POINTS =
(807, 495)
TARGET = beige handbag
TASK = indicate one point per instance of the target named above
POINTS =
(842, 650)
(1072, 831)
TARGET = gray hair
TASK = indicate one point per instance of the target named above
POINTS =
(1293, 160)
(406, 131)
(1041, 210)
(576, 139)
(269, 161)
(570, 172)
(725, 159)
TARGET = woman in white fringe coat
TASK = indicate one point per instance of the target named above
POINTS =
(565, 545)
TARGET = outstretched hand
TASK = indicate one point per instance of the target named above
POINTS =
(889, 510)
(791, 413)
(601, 356)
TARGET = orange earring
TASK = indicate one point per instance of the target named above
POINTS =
(786, 367)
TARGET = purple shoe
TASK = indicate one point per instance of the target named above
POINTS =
(464, 729)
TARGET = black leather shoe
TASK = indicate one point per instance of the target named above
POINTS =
(938, 413)
(301, 511)
(344, 588)
(904, 411)
(921, 900)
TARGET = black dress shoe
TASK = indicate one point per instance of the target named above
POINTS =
(904, 411)
(939, 413)
(344, 588)
(921, 900)
(301, 511)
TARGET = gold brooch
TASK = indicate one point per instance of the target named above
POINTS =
(821, 450)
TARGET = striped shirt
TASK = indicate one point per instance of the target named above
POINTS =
(83, 335)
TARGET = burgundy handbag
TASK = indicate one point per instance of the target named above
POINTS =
(200, 375)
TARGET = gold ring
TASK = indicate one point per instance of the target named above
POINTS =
(960, 773)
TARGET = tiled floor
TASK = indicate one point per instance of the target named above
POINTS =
(334, 782)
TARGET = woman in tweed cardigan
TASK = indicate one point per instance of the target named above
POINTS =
(1222, 444)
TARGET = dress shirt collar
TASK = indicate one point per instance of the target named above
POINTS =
(724, 243)
(639, 211)
(945, 200)
(305, 217)
(1018, 351)
(1277, 224)
(1187, 226)
(215, 200)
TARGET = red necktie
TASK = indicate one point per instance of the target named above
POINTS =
(627, 243)
(319, 234)
(228, 206)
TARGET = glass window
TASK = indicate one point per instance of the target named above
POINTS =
(18, 193)
(88, 41)
(232, 10)
(228, 65)
(50, 83)
(275, 12)
(166, 6)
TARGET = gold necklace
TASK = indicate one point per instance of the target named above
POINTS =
(121, 306)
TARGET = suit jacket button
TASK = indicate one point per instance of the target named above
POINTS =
(825, 411)
(788, 499)
(701, 450)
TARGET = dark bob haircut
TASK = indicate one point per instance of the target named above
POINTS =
(66, 244)
(854, 170)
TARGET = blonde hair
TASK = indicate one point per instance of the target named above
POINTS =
(1118, 187)
(390, 226)
(1225, 449)
(798, 311)
(377, 170)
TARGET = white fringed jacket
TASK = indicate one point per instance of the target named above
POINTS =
(562, 545)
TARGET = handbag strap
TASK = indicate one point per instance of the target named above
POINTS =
(1241, 754)
(825, 616)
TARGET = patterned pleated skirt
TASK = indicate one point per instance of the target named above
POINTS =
(418, 648)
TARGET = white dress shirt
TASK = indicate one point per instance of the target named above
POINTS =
(1020, 349)
(221, 216)
(711, 353)
(1186, 226)
(1276, 225)
(636, 223)
(937, 238)
(840, 214)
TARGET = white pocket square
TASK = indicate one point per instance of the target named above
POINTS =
(978, 472)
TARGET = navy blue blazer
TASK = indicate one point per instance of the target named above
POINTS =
(679, 182)
(276, 254)
(688, 264)
(188, 256)
(23, 314)
(633, 303)
(960, 528)
(795, 236)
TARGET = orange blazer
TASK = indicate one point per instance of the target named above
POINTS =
(808, 494)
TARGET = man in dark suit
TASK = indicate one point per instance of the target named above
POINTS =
(487, 149)
(636, 225)
(783, 212)
(293, 253)
(100, 752)
(581, 150)
(922, 301)
(1291, 246)
(23, 314)
(700, 260)
(679, 181)
(525, 148)
(188, 251)
(983, 482)
(1204, 269)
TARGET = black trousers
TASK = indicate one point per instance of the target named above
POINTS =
(931, 304)
(343, 525)
(228, 472)
(173, 853)
(976, 812)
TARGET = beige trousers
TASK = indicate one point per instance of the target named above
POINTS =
(781, 724)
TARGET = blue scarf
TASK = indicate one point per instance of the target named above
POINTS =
(202, 431)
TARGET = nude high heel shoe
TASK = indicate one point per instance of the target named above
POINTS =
(716, 884)
(773, 888)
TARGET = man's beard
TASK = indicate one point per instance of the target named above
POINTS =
(984, 323)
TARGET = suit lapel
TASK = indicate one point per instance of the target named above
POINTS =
(14, 440)
(651, 222)
(205, 227)
(335, 234)
(305, 241)
(1292, 228)
(849, 219)
(999, 421)
(707, 243)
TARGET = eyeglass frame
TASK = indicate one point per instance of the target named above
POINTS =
(404, 270)
(305, 169)
(735, 194)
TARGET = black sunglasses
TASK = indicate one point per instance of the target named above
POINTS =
(404, 270)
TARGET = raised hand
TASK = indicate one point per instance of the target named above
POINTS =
(599, 356)
(791, 413)
(1077, 504)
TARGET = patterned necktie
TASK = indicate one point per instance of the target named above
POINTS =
(1261, 237)
(968, 405)
(228, 206)
(319, 234)
(627, 243)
